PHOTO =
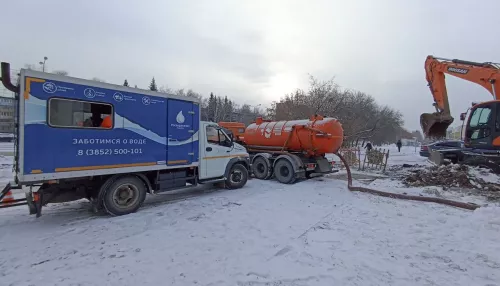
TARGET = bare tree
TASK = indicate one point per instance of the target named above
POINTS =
(165, 89)
(360, 115)
(98, 79)
(31, 67)
(189, 93)
(61, 72)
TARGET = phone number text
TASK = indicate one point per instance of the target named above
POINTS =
(104, 152)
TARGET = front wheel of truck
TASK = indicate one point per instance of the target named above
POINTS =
(237, 178)
(124, 196)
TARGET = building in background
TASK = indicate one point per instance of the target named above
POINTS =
(7, 115)
(410, 141)
(454, 133)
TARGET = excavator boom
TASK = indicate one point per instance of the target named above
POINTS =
(485, 74)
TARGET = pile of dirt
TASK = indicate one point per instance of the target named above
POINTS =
(452, 175)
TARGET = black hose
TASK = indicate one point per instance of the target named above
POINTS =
(468, 206)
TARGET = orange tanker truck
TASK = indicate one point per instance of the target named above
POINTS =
(289, 150)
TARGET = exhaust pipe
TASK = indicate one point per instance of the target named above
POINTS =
(6, 81)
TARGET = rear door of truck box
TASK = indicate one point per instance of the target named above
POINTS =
(182, 135)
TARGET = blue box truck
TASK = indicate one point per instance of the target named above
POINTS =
(112, 144)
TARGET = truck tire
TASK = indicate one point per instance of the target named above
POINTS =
(283, 171)
(237, 178)
(124, 196)
(260, 168)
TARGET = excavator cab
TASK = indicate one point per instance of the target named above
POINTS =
(483, 126)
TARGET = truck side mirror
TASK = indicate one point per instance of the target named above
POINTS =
(462, 116)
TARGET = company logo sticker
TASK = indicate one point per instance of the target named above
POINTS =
(89, 93)
(458, 70)
(118, 97)
(180, 117)
(146, 100)
(49, 87)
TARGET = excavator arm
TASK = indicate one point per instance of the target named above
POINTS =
(485, 74)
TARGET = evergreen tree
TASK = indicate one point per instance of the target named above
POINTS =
(125, 83)
(152, 85)
(231, 110)
(227, 108)
(135, 86)
(212, 107)
(219, 110)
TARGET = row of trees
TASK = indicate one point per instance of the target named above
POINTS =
(361, 116)
(214, 108)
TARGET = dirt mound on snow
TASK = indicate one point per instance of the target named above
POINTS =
(455, 175)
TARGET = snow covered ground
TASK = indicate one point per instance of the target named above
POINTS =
(315, 232)
(6, 149)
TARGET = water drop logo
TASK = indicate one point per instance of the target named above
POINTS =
(180, 117)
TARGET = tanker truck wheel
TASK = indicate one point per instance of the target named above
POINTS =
(283, 171)
(260, 168)
(238, 176)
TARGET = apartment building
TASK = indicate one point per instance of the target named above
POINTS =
(7, 115)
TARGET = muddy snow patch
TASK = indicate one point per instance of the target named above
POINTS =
(456, 177)
(362, 177)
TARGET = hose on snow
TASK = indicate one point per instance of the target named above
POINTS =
(468, 206)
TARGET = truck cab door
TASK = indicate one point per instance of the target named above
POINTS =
(215, 152)
(483, 128)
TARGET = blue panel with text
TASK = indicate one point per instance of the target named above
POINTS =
(73, 127)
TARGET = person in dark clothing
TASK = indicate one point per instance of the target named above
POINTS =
(399, 144)
(368, 146)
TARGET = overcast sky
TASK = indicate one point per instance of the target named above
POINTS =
(256, 51)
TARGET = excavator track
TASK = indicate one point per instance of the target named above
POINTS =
(468, 206)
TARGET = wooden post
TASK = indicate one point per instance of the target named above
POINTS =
(386, 159)
(364, 160)
(359, 159)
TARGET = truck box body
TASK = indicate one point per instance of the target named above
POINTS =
(149, 130)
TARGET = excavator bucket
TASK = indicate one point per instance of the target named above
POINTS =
(434, 125)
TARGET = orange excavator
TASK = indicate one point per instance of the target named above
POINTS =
(482, 127)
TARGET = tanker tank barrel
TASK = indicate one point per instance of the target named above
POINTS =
(315, 137)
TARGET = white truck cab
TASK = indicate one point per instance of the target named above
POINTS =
(218, 152)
